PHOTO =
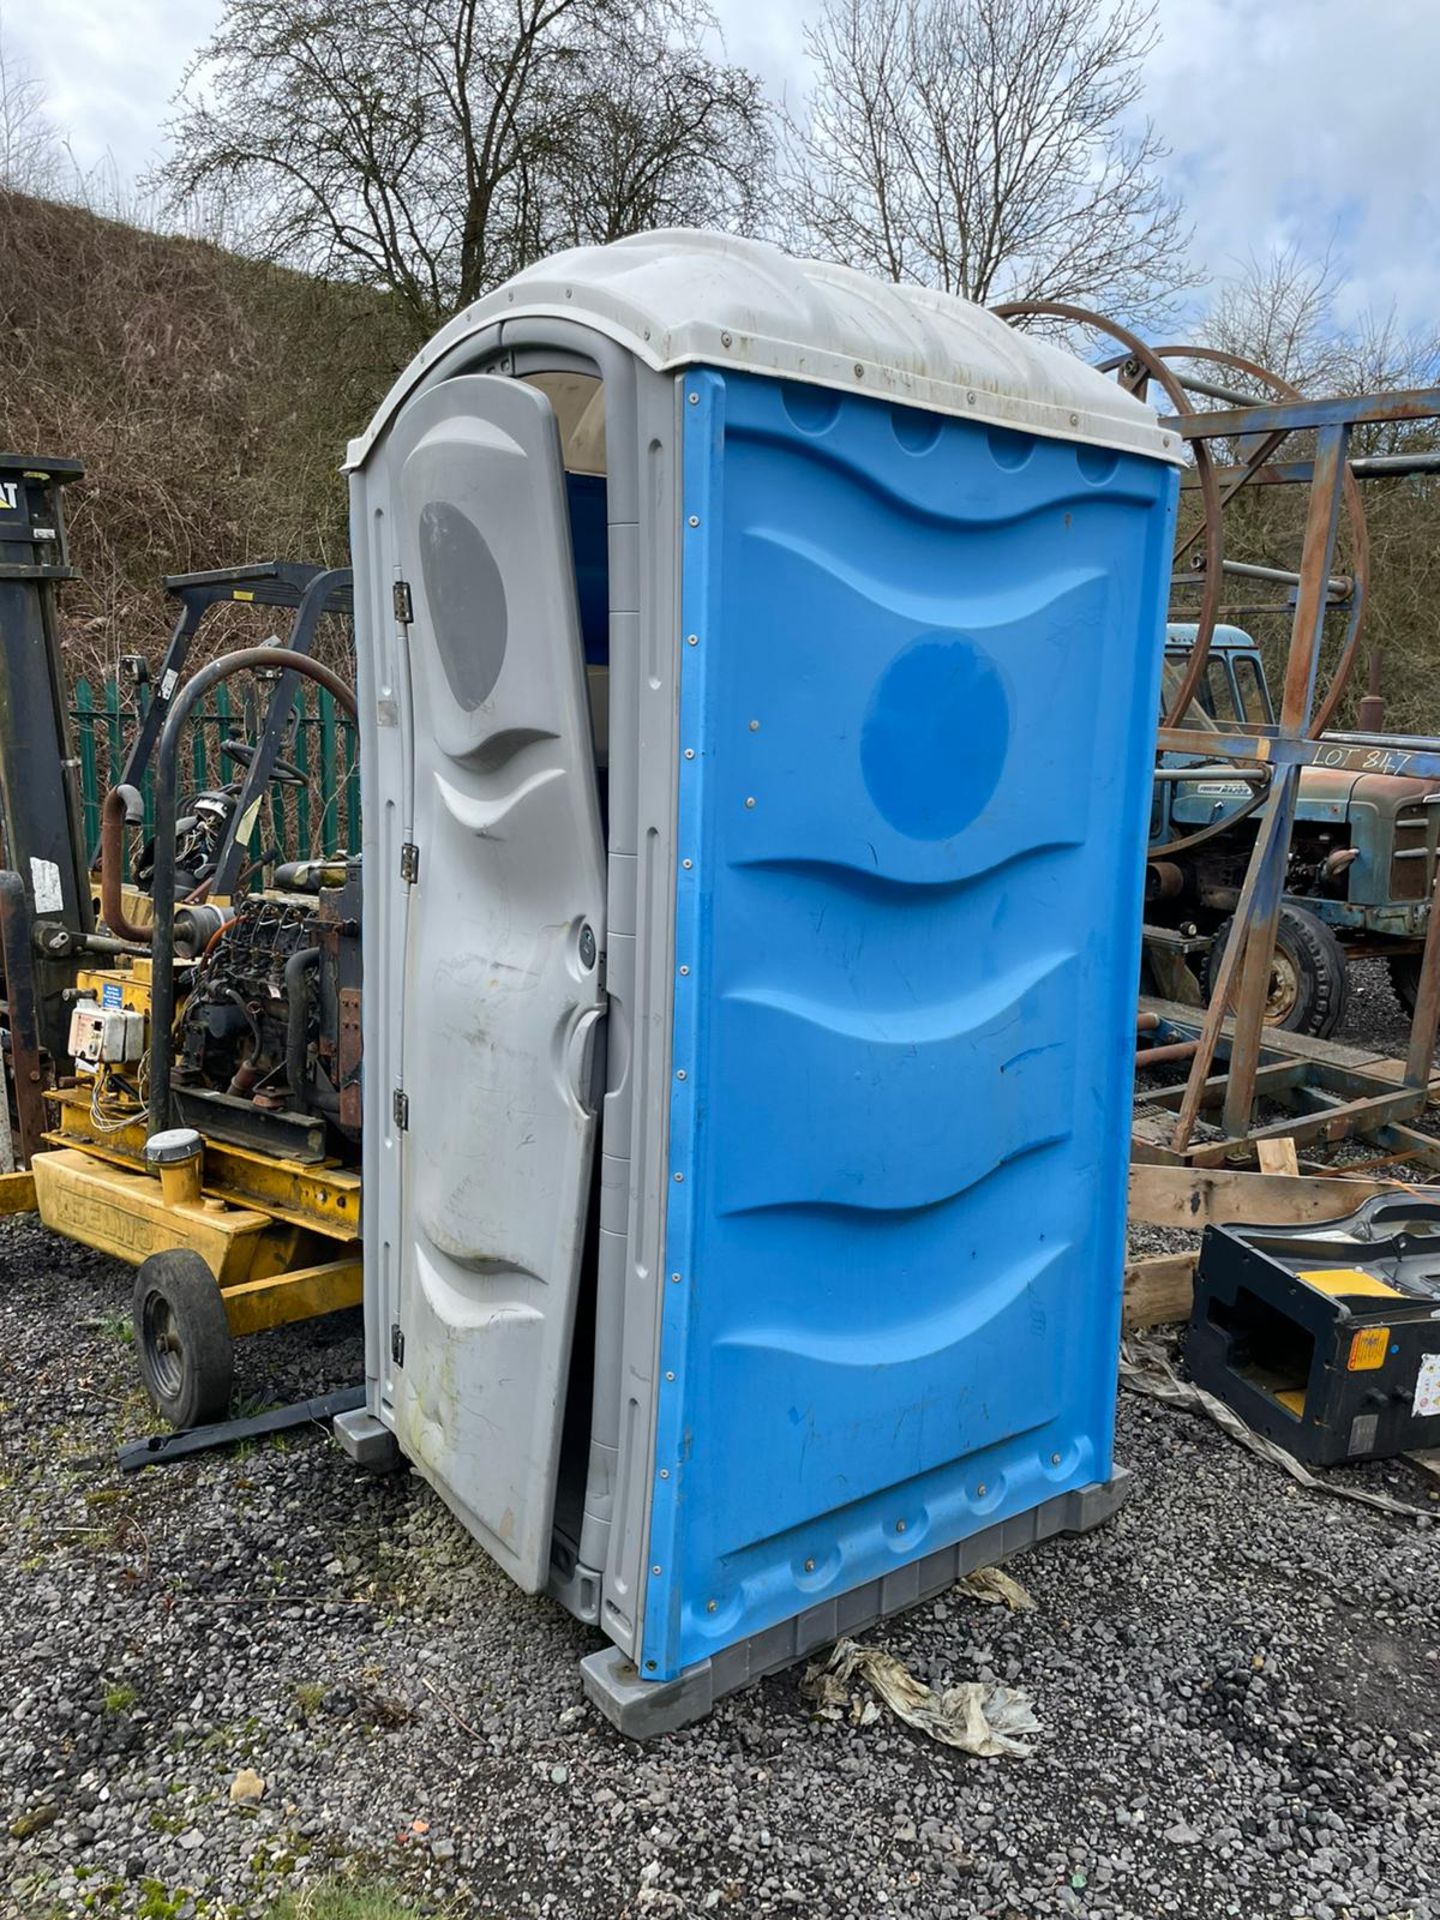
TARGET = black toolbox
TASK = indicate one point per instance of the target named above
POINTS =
(1326, 1338)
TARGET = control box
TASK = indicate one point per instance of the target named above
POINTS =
(105, 1036)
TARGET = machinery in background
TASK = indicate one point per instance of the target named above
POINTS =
(183, 1057)
(1362, 859)
(1326, 1338)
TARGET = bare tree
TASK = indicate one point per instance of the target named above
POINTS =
(988, 147)
(432, 147)
(675, 141)
(29, 145)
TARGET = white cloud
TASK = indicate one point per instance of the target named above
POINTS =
(110, 68)
(1309, 124)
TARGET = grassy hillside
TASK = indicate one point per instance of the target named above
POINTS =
(209, 399)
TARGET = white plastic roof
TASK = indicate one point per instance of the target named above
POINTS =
(680, 297)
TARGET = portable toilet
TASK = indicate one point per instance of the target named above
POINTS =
(758, 678)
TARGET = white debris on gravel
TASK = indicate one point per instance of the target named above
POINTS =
(1239, 1679)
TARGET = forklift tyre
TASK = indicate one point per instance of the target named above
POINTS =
(1405, 980)
(1308, 986)
(182, 1335)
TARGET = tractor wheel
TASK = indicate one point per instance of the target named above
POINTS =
(1308, 987)
(1405, 979)
(182, 1336)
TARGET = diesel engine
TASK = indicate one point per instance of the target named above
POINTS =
(271, 1007)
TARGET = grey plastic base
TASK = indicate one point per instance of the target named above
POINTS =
(369, 1443)
(642, 1709)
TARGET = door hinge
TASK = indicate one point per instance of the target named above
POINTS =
(400, 1107)
(409, 863)
(404, 606)
(397, 1345)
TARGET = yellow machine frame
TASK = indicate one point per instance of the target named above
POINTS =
(281, 1236)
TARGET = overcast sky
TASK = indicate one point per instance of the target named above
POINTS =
(1292, 122)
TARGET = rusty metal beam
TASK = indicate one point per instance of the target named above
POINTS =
(1307, 415)
(1272, 850)
(17, 954)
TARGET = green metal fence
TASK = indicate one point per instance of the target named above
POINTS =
(320, 817)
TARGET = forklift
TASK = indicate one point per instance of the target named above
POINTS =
(181, 1050)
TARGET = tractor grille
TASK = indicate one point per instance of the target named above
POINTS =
(1411, 871)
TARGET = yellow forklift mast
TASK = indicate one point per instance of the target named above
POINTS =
(183, 1075)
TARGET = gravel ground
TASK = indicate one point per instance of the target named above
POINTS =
(1237, 1677)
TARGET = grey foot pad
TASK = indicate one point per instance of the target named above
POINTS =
(642, 1709)
(368, 1441)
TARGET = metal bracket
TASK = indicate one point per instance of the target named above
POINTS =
(409, 863)
(159, 1449)
(401, 601)
(400, 1108)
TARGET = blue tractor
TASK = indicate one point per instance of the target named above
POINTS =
(1362, 855)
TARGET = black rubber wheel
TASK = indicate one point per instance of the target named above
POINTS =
(183, 1339)
(1405, 979)
(1308, 985)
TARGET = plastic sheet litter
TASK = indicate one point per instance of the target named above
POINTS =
(1145, 1368)
(996, 1589)
(981, 1718)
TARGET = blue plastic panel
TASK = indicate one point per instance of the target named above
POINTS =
(921, 702)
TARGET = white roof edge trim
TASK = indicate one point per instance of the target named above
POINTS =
(766, 313)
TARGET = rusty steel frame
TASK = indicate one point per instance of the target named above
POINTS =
(1361, 1104)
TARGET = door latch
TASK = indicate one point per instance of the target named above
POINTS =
(400, 1108)
(397, 1345)
(402, 603)
(409, 863)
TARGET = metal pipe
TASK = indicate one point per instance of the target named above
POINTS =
(1161, 1056)
(121, 807)
(1365, 466)
(1340, 585)
(297, 1033)
(1229, 395)
(162, 937)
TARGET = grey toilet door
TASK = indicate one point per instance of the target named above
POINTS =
(502, 999)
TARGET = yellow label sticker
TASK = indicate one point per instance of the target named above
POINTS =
(1335, 1280)
(242, 593)
(1368, 1349)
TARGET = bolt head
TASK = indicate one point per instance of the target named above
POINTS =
(900, 1526)
(694, 519)
(809, 1566)
(750, 800)
(981, 1489)
(710, 1606)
